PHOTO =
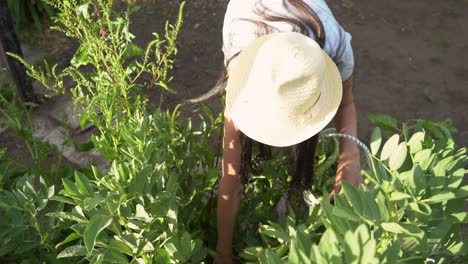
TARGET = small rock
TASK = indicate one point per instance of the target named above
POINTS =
(197, 25)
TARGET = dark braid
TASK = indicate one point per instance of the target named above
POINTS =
(302, 164)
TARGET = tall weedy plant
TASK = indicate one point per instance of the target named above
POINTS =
(110, 73)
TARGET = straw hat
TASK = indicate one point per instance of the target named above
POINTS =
(282, 89)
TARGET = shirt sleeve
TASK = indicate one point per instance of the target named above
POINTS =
(344, 58)
(337, 40)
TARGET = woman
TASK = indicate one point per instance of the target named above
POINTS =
(283, 88)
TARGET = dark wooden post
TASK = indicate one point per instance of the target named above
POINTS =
(9, 43)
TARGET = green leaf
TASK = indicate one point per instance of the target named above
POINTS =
(343, 209)
(420, 210)
(142, 214)
(360, 246)
(251, 253)
(271, 258)
(417, 180)
(389, 147)
(132, 50)
(375, 141)
(97, 223)
(81, 57)
(185, 245)
(70, 188)
(300, 248)
(460, 249)
(212, 177)
(362, 201)
(83, 121)
(434, 128)
(68, 216)
(91, 202)
(83, 184)
(398, 157)
(113, 256)
(460, 217)
(403, 228)
(398, 196)
(27, 246)
(72, 251)
(422, 155)
(383, 121)
(330, 248)
(69, 238)
(162, 257)
(274, 233)
(444, 196)
(416, 142)
(120, 246)
(456, 179)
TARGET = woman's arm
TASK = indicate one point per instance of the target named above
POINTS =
(229, 191)
(349, 168)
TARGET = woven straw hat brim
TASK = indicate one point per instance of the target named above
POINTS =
(259, 116)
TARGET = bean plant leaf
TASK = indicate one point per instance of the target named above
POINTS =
(69, 238)
(162, 257)
(362, 201)
(95, 226)
(422, 155)
(383, 121)
(398, 157)
(398, 196)
(360, 246)
(448, 195)
(68, 216)
(274, 233)
(300, 248)
(417, 179)
(416, 142)
(389, 147)
(329, 247)
(271, 258)
(375, 141)
(403, 228)
(73, 251)
(456, 179)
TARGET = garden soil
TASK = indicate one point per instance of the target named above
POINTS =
(411, 56)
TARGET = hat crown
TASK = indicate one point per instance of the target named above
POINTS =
(282, 89)
(291, 71)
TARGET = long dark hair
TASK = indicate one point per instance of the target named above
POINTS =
(305, 21)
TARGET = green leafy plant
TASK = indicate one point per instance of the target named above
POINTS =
(111, 90)
(148, 207)
(24, 228)
(411, 211)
